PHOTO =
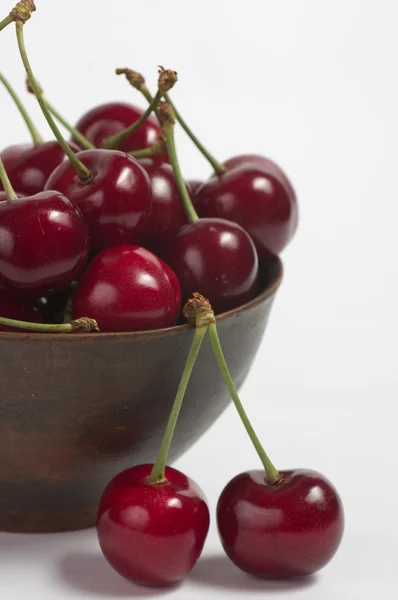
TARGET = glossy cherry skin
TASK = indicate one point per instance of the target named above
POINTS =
(53, 307)
(255, 199)
(263, 163)
(277, 531)
(152, 534)
(115, 203)
(13, 306)
(43, 243)
(29, 167)
(127, 288)
(108, 119)
(167, 213)
(216, 258)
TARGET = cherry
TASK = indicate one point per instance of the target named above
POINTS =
(116, 201)
(43, 243)
(289, 529)
(167, 213)
(127, 288)
(13, 306)
(255, 199)
(218, 258)
(109, 119)
(30, 166)
(53, 307)
(152, 534)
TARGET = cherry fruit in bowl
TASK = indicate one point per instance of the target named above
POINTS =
(128, 288)
(43, 243)
(167, 211)
(289, 529)
(110, 119)
(29, 166)
(115, 199)
(217, 257)
(257, 200)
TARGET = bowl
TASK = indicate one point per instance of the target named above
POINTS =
(77, 409)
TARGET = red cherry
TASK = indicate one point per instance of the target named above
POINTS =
(285, 530)
(216, 258)
(108, 119)
(28, 167)
(152, 534)
(167, 212)
(43, 243)
(264, 163)
(15, 307)
(127, 288)
(116, 202)
(255, 199)
(52, 307)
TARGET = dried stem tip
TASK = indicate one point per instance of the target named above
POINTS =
(167, 79)
(198, 311)
(23, 11)
(84, 325)
(165, 114)
(135, 79)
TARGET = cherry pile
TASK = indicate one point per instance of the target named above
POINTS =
(103, 231)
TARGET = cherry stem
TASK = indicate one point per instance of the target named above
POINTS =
(83, 325)
(82, 171)
(217, 166)
(114, 140)
(36, 137)
(273, 475)
(79, 137)
(168, 129)
(158, 471)
(9, 190)
(158, 149)
(7, 21)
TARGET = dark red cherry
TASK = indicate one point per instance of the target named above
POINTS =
(108, 119)
(29, 167)
(13, 306)
(216, 258)
(127, 288)
(194, 185)
(167, 213)
(255, 199)
(285, 530)
(43, 243)
(152, 534)
(115, 203)
(263, 163)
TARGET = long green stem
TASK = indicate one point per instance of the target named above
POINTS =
(36, 137)
(272, 473)
(79, 137)
(217, 166)
(7, 21)
(158, 472)
(83, 325)
(82, 171)
(114, 140)
(192, 215)
(9, 190)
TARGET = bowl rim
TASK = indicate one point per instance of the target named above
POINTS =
(268, 291)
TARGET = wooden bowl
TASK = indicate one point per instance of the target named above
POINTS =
(77, 409)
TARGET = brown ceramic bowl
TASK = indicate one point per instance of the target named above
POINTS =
(77, 409)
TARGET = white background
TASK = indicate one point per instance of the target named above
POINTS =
(312, 85)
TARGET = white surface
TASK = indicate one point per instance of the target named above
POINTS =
(320, 98)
